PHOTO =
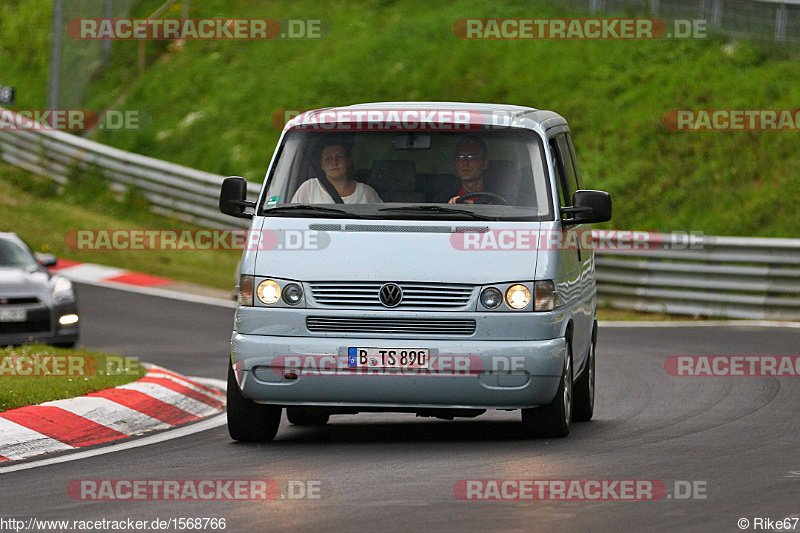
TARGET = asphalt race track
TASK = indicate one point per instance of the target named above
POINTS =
(735, 438)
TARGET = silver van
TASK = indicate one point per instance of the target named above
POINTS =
(431, 258)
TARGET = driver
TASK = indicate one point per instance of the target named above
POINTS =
(471, 159)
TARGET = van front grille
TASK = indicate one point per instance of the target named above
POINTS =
(350, 294)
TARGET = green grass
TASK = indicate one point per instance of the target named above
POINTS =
(210, 102)
(33, 208)
(30, 374)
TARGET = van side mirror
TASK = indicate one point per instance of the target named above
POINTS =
(588, 207)
(233, 197)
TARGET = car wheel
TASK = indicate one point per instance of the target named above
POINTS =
(583, 407)
(552, 420)
(249, 421)
(304, 416)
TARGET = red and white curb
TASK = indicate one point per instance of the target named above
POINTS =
(160, 400)
(90, 273)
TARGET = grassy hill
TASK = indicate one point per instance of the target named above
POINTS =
(210, 102)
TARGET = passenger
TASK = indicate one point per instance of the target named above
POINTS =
(336, 165)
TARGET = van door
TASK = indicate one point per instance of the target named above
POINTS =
(574, 262)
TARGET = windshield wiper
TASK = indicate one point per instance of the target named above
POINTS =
(436, 209)
(313, 208)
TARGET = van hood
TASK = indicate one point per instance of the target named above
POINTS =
(392, 250)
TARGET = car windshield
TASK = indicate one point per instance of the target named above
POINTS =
(14, 255)
(391, 174)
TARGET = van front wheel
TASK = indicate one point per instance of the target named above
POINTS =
(249, 421)
(552, 420)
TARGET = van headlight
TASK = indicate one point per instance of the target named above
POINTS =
(491, 298)
(62, 290)
(292, 294)
(268, 292)
(518, 296)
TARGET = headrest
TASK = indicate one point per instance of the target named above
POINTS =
(392, 175)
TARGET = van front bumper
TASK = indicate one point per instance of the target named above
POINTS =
(461, 374)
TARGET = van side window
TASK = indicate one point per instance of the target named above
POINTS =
(575, 163)
(557, 171)
(562, 172)
(570, 181)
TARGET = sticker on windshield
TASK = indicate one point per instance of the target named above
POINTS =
(273, 200)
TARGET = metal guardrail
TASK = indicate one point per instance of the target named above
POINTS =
(171, 189)
(706, 275)
(736, 277)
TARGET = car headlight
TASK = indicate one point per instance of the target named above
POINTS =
(518, 296)
(268, 292)
(62, 290)
(544, 295)
(292, 294)
(491, 298)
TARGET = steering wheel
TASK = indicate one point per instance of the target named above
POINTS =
(492, 197)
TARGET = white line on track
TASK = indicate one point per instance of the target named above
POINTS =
(178, 432)
(697, 324)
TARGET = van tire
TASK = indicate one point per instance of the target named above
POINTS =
(583, 406)
(304, 416)
(552, 420)
(249, 421)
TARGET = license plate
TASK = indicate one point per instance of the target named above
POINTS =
(13, 315)
(387, 357)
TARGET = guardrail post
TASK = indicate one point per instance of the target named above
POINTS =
(597, 5)
(108, 12)
(55, 57)
(780, 23)
(716, 13)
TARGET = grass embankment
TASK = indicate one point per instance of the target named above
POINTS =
(37, 373)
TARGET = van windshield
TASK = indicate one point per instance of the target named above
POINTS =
(491, 174)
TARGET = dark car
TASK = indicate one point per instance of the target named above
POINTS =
(35, 306)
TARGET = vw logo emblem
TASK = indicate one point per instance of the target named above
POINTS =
(391, 295)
